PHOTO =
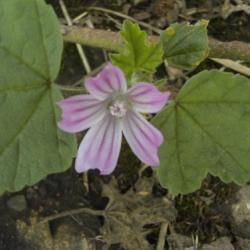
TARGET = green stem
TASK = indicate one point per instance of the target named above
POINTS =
(70, 89)
(110, 40)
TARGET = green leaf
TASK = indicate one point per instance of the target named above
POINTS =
(185, 46)
(206, 130)
(137, 53)
(31, 145)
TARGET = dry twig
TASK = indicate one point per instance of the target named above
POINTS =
(78, 46)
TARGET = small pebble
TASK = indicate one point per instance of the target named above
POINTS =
(223, 243)
(240, 209)
(17, 203)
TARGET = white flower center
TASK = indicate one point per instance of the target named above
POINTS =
(118, 108)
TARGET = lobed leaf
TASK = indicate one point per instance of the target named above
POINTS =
(185, 46)
(31, 145)
(206, 130)
(137, 53)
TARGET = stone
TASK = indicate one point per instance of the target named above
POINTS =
(67, 236)
(37, 234)
(240, 213)
(178, 241)
(242, 244)
(223, 243)
(17, 203)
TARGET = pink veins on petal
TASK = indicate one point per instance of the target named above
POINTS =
(108, 111)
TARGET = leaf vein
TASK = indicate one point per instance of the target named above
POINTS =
(20, 88)
(212, 138)
(42, 39)
(22, 127)
(26, 64)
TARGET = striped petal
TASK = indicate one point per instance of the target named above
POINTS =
(110, 80)
(143, 138)
(100, 147)
(147, 98)
(80, 112)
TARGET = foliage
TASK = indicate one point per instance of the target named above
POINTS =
(185, 45)
(137, 54)
(206, 130)
(31, 145)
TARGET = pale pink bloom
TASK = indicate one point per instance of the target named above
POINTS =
(110, 110)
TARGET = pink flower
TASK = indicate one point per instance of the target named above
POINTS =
(110, 110)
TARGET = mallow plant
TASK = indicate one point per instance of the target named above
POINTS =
(203, 129)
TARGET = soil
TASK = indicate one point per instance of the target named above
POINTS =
(114, 219)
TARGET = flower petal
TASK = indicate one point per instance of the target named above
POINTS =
(100, 147)
(143, 138)
(108, 81)
(80, 112)
(147, 98)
